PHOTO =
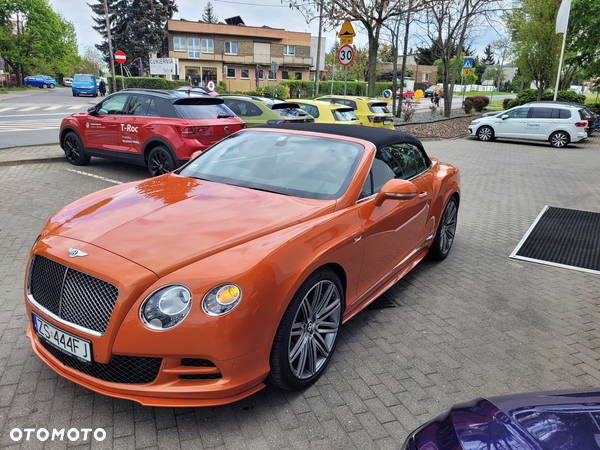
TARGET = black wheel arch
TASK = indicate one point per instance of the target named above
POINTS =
(66, 130)
(154, 142)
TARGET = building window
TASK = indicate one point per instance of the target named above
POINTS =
(245, 74)
(230, 73)
(299, 76)
(208, 46)
(272, 75)
(289, 50)
(179, 44)
(230, 48)
(285, 75)
(194, 48)
(425, 77)
(260, 74)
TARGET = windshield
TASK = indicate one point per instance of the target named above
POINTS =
(344, 115)
(292, 112)
(379, 108)
(203, 111)
(83, 78)
(290, 164)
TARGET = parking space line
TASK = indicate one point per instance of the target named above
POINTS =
(52, 108)
(7, 109)
(77, 107)
(95, 176)
(29, 109)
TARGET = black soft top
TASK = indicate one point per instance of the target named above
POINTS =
(380, 137)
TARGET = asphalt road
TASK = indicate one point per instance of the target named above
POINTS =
(33, 117)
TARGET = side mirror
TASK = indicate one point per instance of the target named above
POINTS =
(396, 190)
(505, 116)
(92, 111)
(195, 154)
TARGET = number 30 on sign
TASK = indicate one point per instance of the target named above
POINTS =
(346, 55)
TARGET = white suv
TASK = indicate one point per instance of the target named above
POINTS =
(556, 123)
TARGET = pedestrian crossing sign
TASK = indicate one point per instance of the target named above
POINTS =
(467, 63)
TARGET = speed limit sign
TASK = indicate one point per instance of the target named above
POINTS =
(346, 55)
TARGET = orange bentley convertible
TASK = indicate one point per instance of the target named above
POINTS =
(196, 287)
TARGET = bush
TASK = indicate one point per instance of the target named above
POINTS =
(530, 95)
(221, 87)
(595, 107)
(505, 102)
(512, 103)
(408, 110)
(145, 83)
(468, 105)
(3, 91)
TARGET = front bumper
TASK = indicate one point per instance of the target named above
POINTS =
(240, 378)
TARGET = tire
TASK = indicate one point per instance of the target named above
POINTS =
(74, 94)
(44, 86)
(444, 236)
(559, 139)
(485, 133)
(96, 95)
(73, 148)
(52, 86)
(305, 339)
(160, 161)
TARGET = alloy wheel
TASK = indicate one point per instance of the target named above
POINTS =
(485, 133)
(559, 140)
(72, 150)
(160, 164)
(448, 228)
(314, 329)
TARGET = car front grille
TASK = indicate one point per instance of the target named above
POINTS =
(121, 369)
(72, 296)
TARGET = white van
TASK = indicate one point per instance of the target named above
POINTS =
(558, 124)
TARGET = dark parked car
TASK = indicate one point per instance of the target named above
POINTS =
(429, 91)
(565, 420)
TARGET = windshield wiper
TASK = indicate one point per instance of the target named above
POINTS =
(223, 116)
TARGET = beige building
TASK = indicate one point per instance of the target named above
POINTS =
(233, 52)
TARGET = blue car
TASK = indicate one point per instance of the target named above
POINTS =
(41, 81)
(84, 83)
(565, 420)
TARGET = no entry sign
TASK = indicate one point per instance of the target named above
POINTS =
(120, 57)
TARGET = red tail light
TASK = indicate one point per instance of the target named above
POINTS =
(189, 131)
(375, 119)
(581, 124)
(244, 125)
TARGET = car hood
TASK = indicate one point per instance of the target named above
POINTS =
(168, 222)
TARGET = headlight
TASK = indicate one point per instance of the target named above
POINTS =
(221, 299)
(166, 307)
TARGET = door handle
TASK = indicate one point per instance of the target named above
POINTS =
(423, 194)
(150, 127)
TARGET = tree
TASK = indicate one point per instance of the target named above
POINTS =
(537, 46)
(371, 16)
(583, 37)
(448, 22)
(91, 61)
(41, 40)
(137, 27)
(209, 15)
(488, 53)
(359, 69)
(385, 53)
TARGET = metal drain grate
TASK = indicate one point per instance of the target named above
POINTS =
(562, 237)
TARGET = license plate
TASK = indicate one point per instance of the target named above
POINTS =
(68, 343)
(387, 122)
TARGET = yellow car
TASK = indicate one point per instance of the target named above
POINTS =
(370, 111)
(326, 112)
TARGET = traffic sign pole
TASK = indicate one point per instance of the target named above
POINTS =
(345, 79)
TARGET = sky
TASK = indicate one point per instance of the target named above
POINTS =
(254, 13)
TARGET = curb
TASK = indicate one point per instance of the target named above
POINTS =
(32, 161)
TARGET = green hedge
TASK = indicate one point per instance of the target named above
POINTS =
(145, 83)
(531, 95)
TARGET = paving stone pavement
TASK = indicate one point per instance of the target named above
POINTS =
(476, 324)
